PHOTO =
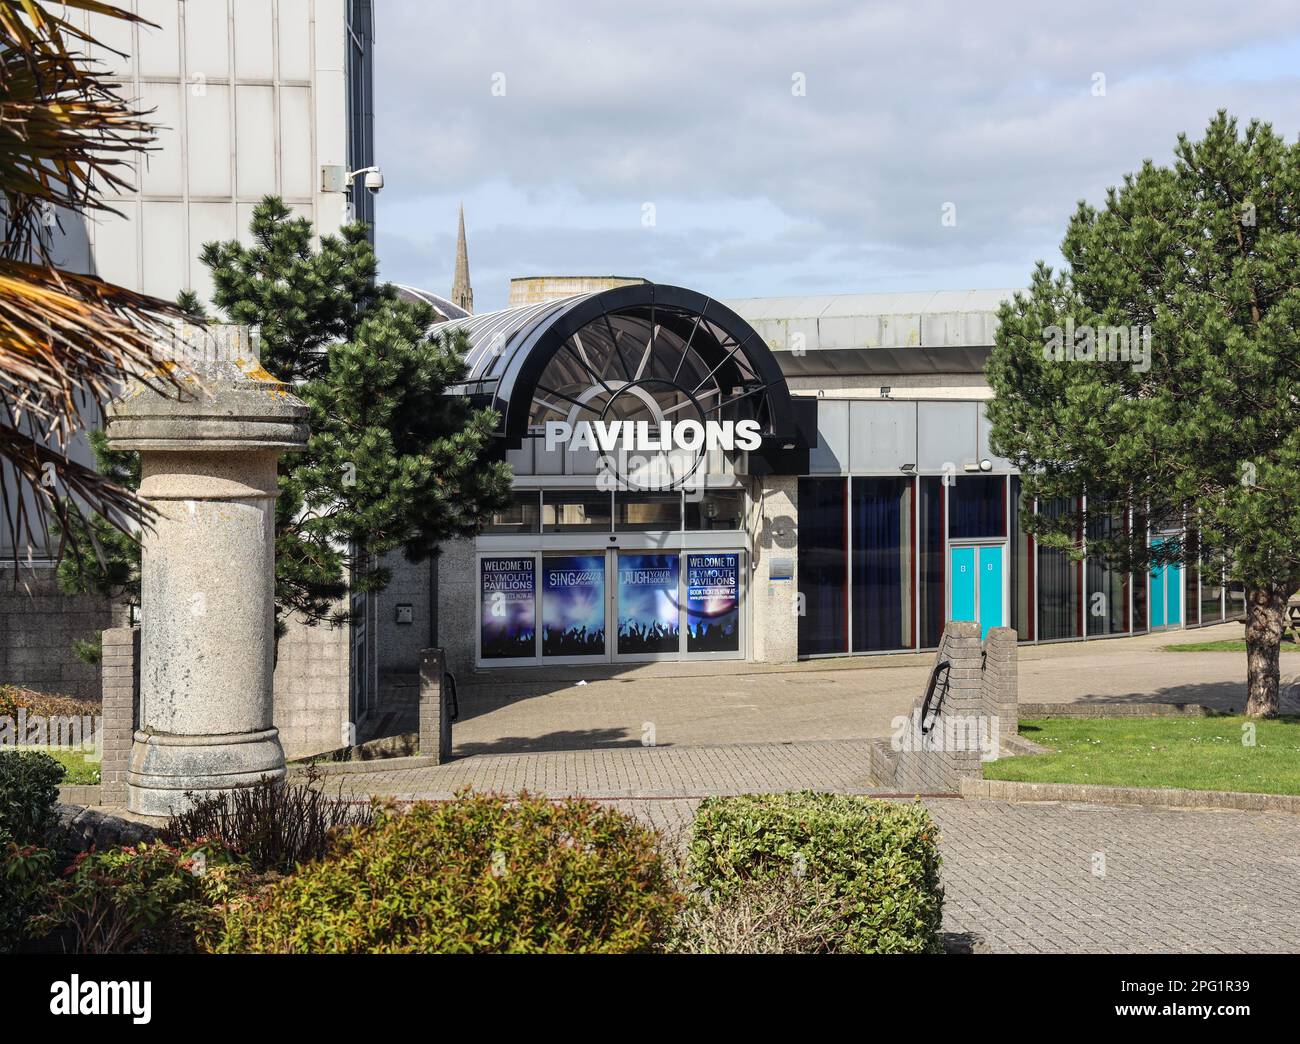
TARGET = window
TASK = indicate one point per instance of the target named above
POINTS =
(522, 515)
(647, 512)
(977, 507)
(717, 509)
(882, 564)
(823, 537)
(569, 512)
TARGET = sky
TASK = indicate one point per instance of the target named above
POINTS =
(761, 148)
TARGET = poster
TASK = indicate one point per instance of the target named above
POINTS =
(573, 605)
(508, 596)
(647, 604)
(713, 602)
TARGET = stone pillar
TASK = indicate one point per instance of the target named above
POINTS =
(435, 714)
(208, 467)
(774, 590)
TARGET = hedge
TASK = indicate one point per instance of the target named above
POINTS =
(879, 859)
(480, 874)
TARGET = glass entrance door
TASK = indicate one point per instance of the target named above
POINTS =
(598, 606)
(574, 606)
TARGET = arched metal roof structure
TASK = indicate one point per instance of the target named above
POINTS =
(576, 355)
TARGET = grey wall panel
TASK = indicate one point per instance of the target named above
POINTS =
(999, 463)
(947, 434)
(831, 456)
(882, 436)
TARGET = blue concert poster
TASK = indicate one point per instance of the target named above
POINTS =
(648, 606)
(573, 605)
(713, 602)
(508, 625)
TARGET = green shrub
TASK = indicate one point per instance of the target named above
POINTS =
(26, 873)
(480, 874)
(272, 824)
(778, 914)
(150, 898)
(29, 790)
(880, 860)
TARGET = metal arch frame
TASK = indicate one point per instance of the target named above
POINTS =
(525, 361)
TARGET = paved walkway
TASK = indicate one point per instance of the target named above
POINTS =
(715, 703)
(1018, 877)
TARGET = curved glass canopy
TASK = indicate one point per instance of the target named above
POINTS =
(644, 352)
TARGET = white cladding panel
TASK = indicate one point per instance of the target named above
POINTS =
(249, 98)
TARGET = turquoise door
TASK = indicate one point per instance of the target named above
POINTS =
(1166, 593)
(977, 585)
(963, 584)
(1158, 596)
(990, 566)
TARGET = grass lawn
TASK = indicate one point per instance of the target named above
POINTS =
(1195, 753)
(76, 769)
(1227, 645)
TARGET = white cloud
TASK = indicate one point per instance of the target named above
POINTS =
(757, 191)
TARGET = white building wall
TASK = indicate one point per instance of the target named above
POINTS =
(250, 99)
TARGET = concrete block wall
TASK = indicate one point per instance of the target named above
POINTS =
(399, 645)
(458, 605)
(118, 715)
(976, 699)
(38, 624)
(312, 705)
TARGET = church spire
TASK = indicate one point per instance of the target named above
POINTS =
(462, 294)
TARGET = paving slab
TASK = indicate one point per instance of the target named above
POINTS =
(1018, 878)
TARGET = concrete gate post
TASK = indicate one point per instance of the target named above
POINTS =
(208, 469)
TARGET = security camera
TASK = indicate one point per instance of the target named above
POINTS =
(374, 178)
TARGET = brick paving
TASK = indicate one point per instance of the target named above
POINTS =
(711, 703)
(1019, 878)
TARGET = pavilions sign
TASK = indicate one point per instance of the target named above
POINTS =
(643, 437)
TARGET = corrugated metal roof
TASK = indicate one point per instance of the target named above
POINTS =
(440, 304)
(911, 319)
(490, 334)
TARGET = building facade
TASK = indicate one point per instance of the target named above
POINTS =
(871, 509)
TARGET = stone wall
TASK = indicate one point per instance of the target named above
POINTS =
(312, 705)
(974, 705)
(399, 645)
(38, 624)
(458, 605)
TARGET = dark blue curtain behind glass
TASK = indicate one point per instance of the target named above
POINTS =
(879, 555)
(977, 507)
(823, 566)
(932, 564)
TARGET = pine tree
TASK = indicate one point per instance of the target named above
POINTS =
(392, 461)
(1202, 256)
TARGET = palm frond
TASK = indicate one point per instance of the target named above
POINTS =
(68, 342)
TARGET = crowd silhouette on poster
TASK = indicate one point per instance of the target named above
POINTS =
(573, 641)
(655, 637)
(713, 636)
